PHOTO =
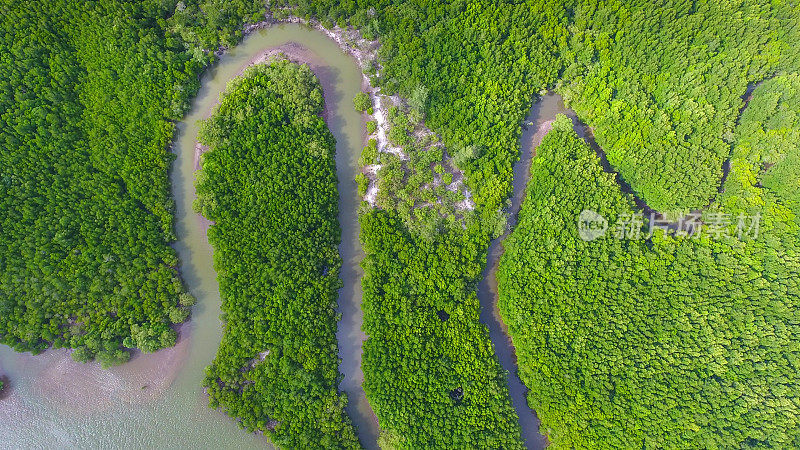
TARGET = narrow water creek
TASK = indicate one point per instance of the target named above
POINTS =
(538, 123)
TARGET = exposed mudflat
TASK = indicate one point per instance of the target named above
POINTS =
(74, 388)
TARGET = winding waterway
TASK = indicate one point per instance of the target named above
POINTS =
(539, 120)
(538, 123)
(156, 401)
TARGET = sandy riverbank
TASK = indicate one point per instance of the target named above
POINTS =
(365, 52)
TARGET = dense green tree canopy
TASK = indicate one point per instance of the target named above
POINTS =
(661, 83)
(269, 186)
(768, 139)
(661, 86)
(430, 370)
(88, 94)
(668, 341)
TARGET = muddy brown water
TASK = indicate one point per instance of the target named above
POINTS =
(156, 401)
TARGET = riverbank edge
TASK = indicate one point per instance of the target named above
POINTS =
(487, 289)
(295, 53)
(365, 52)
(147, 376)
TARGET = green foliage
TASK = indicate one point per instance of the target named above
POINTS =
(150, 338)
(112, 357)
(768, 138)
(272, 177)
(178, 315)
(362, 102)
(433, 383)
(90, 90)
(369, 154)
(413, 360)
(469, 69)
(418, 100)
(400, 127)
(207, 24)
(465, 155)
(372, 127)
(363, 183)
(186, 299)
(661, 82)
(662, 342)
(388, 440)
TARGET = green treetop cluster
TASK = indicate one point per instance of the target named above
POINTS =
(667, 341)
(430, 371)
(89, 93)
(768, 145)
(421, 187)
(269, 186)
(661, 84)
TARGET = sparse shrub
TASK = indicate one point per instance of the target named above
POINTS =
(362, 102)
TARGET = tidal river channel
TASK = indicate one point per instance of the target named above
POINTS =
(156, 401)
(537, 124)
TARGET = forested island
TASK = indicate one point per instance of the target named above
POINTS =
(662, 340)
(268, 184)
